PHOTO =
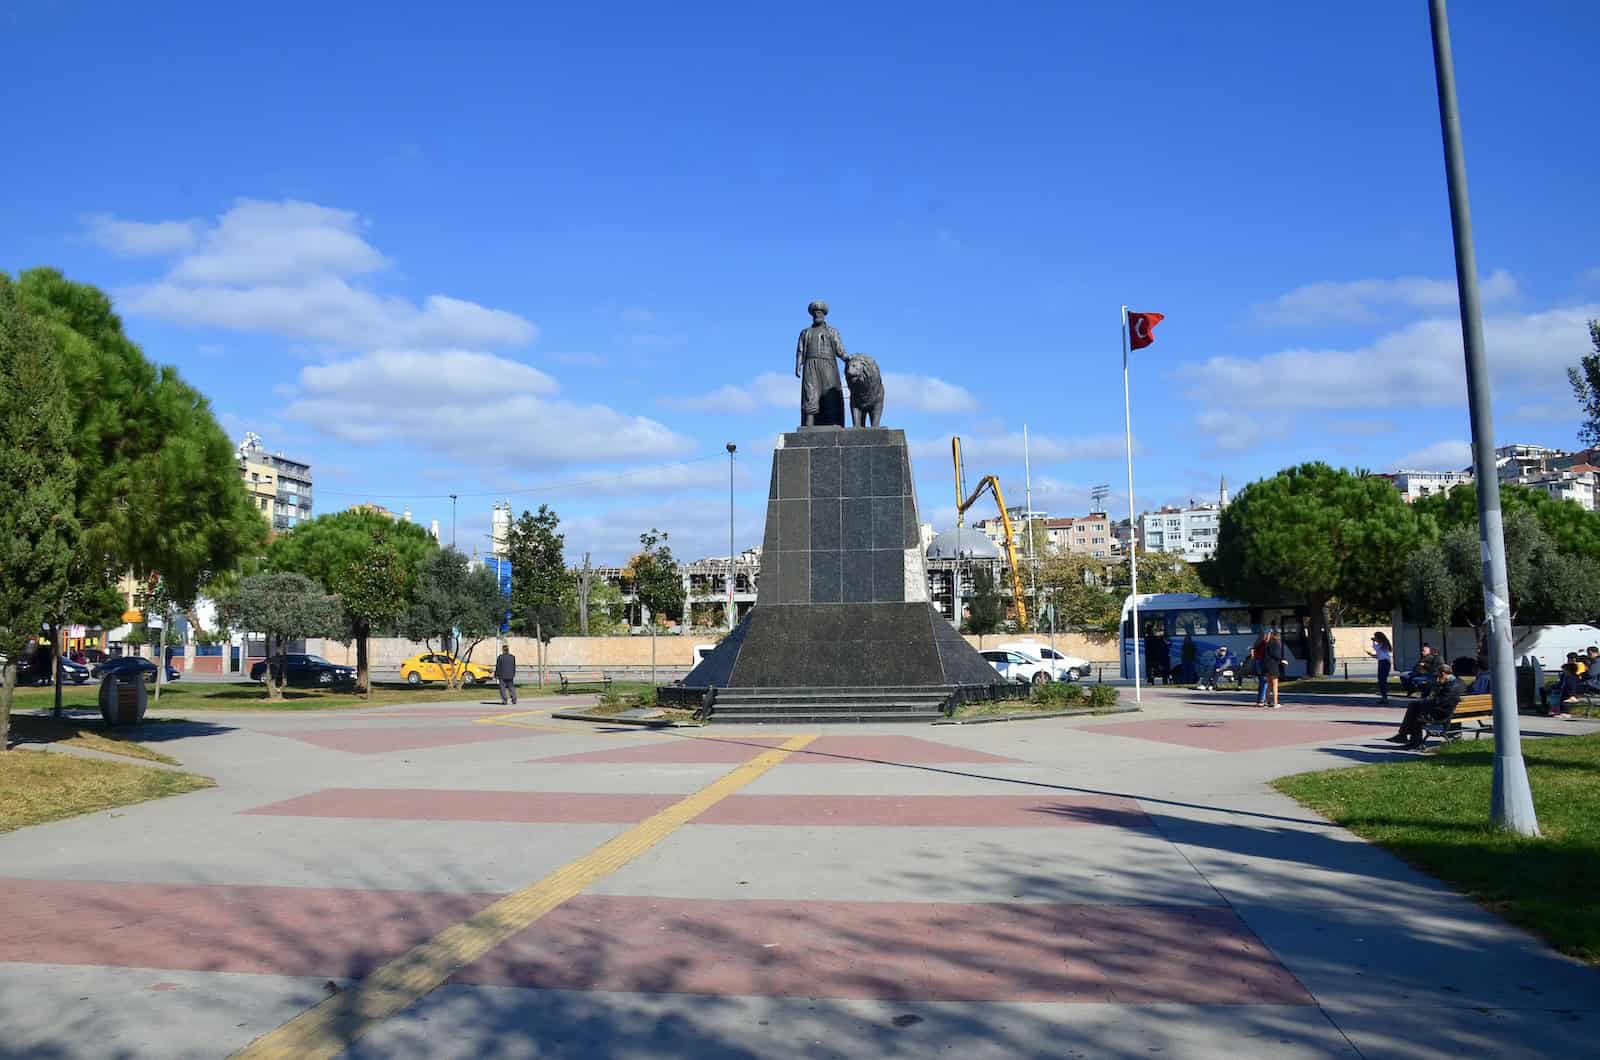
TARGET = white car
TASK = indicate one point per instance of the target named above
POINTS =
(1016, 666)
(1062, 667)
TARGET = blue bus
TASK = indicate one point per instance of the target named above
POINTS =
(1209, 622)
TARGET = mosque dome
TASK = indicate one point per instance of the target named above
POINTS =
(962, 543)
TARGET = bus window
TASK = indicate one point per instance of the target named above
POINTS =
(1191, 623)
(1234, 620)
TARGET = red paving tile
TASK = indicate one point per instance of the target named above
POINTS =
(376, 740)
(270, 930)
(1241, 734)
(828, 750)
(894, 951)
(926, 811)
(423, 804)
(561, 807)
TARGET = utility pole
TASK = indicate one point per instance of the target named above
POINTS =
(452, 520)
(733, 609)
(1033, 561)
(1511, 802)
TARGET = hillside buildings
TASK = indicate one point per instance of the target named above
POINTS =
(1568, 476)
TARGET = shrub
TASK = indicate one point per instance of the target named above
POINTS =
(1058, 694)
(1101, 696)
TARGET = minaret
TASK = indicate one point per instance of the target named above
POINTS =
(1223, 495)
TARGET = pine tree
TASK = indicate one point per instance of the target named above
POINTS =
(37, 475)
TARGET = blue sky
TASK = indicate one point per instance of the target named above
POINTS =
(561, 254)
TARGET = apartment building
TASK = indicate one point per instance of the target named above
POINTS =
(1415, 484)
(279, 486)
(1191, 531)
(1084, 535)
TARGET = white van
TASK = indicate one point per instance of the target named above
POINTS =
(1550, 644)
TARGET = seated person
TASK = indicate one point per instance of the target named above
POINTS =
(1223, 663)
(1438, 705)
(1589, 680)
(1566, 691)
(1424, 673)
(1480, 685)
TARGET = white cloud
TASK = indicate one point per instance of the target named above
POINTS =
(1357, 301)
(1238, 430)
(1420, 364)
(1440, 456)
(287, 268)
(916, 393)
(474, 407)
(272, 242)
(989, 452)
(140, 238)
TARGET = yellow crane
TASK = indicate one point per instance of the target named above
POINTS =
(992, 484)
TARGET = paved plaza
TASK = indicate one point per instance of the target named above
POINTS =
(475, 881)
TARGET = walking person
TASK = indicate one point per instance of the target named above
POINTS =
(1272, 666)
(1258, 667)
(1383, 651)
(505, 673)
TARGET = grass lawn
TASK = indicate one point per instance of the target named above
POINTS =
(1433, 812)
(249, 695)
(91, 734)
(45, 786)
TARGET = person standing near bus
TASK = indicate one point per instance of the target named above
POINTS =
(1384, 653)
(1272, 666)
(1258, 652)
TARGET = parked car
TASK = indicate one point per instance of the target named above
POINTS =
(1062, 667)
(1015, 666)
(305, 671)
(128, 665)
(437, 666)
(75, 672)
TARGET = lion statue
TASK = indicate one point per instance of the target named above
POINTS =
(866, 390)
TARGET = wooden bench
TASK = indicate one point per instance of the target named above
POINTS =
(1479, 708)
(572, 679)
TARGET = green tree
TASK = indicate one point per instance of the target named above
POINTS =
(454, 600)
(281, 607)
(158, 486)
(1079, 587)
(985, 608)
(1159, 572)
(1585, 380)
(657, 582)
(542, 588)
(38, 530)
(1574, 529)
(1311, 533)
(368, 560)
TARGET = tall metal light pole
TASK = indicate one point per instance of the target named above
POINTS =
(1511, 804)
(733, 610)
(452, 520)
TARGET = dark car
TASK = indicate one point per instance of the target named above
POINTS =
(128, 665)
(35, 671)
(305, 671)
(75, 672)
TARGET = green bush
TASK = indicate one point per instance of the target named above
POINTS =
(1058, 694)
(1101, 696)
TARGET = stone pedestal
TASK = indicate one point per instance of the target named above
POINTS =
(843, 602)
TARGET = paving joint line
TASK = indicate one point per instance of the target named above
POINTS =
(327, 1029)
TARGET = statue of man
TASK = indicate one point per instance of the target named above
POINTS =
(821, 395)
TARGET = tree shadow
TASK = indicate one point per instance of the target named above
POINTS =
(47, 729)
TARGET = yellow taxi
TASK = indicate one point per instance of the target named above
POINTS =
(436, 666)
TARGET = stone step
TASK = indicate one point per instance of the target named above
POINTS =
(829, 700)
(824, 691)
(828, 717)
(886, 706)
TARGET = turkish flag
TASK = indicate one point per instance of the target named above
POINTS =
(1141, 329)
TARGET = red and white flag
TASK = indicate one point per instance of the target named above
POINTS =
(1141, 329)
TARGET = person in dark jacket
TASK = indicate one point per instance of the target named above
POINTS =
(505, 672)
(1272, 660)
(1438, 705)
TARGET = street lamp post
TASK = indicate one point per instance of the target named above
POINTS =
(733, 609)
(452, 520)
(1511, 801)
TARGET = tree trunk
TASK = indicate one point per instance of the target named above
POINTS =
(363, 681)
(1319, 636)
(274, 693)
(8, 682)
(55, 639)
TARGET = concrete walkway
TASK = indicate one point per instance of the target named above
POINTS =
(463, 880)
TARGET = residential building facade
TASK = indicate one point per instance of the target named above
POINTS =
(1415, 484)
(279, 486)
(1190, 532)
(1084, 535)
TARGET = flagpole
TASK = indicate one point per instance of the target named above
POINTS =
(1133, 527)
